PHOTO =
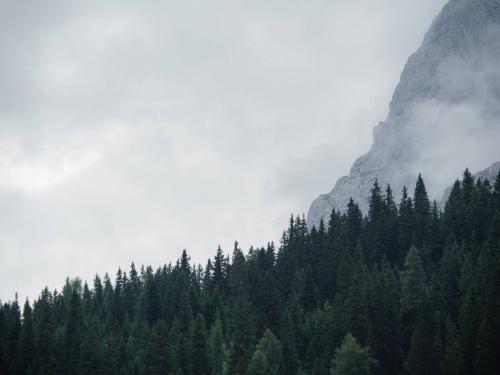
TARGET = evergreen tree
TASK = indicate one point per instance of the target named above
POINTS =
(27, 341)
(258, 364)
(406, 223)
(422, 214)
(217, 352)
(290, 362)
(92, 352)
(200, 351)
(12, 353)
(426, 347)
(157, 353)
(354, 223)
(452, 361)
(351, 359)
(386, 340)
(73, 333)
(271, 348)
(413, 293)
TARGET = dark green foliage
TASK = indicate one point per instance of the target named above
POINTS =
(290, 357)
(386, 339)
(217, 351)
(422, 214)
(271, 348)
(419, 287)
(199, 347)
(351, 359)
(73, 333)
(157, 353)
(425, 347)
(92, 350)
(413, 294)
(258, 364)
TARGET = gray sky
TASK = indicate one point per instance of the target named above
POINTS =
(131, 130)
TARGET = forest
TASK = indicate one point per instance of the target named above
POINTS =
(410, 288)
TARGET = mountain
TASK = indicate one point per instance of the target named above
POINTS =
(444, 113)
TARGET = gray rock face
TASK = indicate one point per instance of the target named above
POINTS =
(444, 114)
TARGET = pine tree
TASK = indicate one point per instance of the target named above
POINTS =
(92, 350)
(413, 293)
(27, 341)
(426, 347)
(290, 362)
(375, 225)
(352, 359)
(450, 273)
(217, 352)
(496, 193)
(174, 348)
(390, 229)
(454, 213)
(150, 300)
(157, 352)
(320, 336)
(406, 223)
(199, 359)
(220, 271)
(258, 364)
(452, 361)
(354, 223)
(74, 325)
(422, 214)
(13, 322)
(386, 340)
(271, 348)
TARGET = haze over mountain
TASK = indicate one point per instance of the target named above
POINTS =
(444, 113)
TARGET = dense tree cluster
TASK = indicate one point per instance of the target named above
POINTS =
(407, 289)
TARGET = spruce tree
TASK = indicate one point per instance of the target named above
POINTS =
(73, 332)
(290, 362)
(199, 353)
(27, 342)
(351, 359)
(258, 364)
(386, 340)
(413, 293)
(217, 351)
(270, 346)
(426, 346)
(422, 214)
(406, 224)
(157, 352)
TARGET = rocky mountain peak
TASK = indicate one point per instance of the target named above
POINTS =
(444, 114)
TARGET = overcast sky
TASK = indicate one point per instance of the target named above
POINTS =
(131, 130)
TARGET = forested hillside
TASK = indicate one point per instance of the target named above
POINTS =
(408, 289)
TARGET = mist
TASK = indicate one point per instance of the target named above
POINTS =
(130, 131)
(458, 128)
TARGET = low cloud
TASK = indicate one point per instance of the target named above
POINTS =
(129, 131)
(460, 127)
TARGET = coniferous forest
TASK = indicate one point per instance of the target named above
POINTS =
(408, 289)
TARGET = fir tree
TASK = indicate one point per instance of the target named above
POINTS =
(351, 359)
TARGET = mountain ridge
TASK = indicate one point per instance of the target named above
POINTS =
(450, 85)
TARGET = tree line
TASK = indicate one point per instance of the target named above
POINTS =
(407, 289)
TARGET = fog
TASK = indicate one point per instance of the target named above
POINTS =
(132, 130)
(459, 127)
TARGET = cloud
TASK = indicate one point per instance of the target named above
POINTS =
(459, 127)
(129, 131)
